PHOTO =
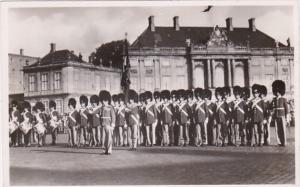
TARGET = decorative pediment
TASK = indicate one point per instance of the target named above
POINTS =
(218, 37)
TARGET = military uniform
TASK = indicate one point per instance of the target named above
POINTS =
(184, 119)
(257, 117)
(221, 117)
(167, 120)
(201, 119)
(54, 123)
(13, 127)
(107, 116)
(121, 123)
(132, 118)
(239, 120)
(150, 117)
(84, 124)
(211, 123)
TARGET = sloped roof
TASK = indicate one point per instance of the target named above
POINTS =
(169, 37)
(58, 57)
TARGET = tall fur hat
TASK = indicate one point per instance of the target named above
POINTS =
(237, 90)
(181, 93)
(263, 90)
(40, 106)
(132, 95)
(156, 95)
(189, 93)
(27, 105)
(207, 93)
(278, 86)
(83, 99)
(94, 99)
(255, 88)
(165, 94)
(52, 104)
(121, 97)
(104, 96)
(142, 97)
(174, 93)
(218, 91)
(14, 103)
(226, 90)
(246, 92)
(115, 98)
(198, 92)
(148, 95)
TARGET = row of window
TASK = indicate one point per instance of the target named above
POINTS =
(45, 81)
(150, 63)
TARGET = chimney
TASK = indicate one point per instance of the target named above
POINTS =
(151, 23)
(21, 52)
(53, 47)
(176, 23)
(252, 24)
(229, 25)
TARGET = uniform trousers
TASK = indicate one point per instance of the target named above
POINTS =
(257, 133)
(83, 135)
(266, 132)
(165, 132)
(184, 138)
(108, 130)
(239, 132)
(211, 132)
(231, 131)
(132, 134)
(201, 134)
(172, 133)
(221, 133)
(280, 130)
(151, 138)
(120, 139)
(54, 132)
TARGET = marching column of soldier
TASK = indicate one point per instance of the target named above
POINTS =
(166, 118)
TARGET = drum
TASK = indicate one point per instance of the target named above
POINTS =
(25, 127)
(12, 127)
(40, 128)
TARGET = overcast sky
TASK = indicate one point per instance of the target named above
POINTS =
(84, 29)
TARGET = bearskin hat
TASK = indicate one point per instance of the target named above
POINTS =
(263, 90)
(121, 97)
(115, 98)
(148, 95)
(278, 86)
(156, 95)
(83, 99)
(207, 93)
(94, 99)
(14, 103)
(174, 93)
(104, 96)
(226, 90)
(40, 106)
(189, 93)
(218, 91)
(132, 95)
(198, 92)
(52, 104)
(165, 94)
(255, 88)
(142, 97)
(237, 90)
(246, 92)
(182, 93)
(27, 105)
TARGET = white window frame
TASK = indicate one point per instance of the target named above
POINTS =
(57, 80)
(32, 82)
(44, 81)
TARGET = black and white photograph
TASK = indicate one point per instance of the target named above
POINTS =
(150, 93)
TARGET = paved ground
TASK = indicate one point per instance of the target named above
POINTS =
(60, 165)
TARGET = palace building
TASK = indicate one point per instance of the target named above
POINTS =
(61, 74)
(188, 57)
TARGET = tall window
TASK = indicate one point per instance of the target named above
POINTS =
(239, 77)
(57, 80)
(149, 83)
(59, 105)
(219, 76)
(199, 77)
(181, 82)
(107, 83)
(46, 103)
(44, 81)
(134, 83)
(32, 83)
(98, 82)
(166, 82)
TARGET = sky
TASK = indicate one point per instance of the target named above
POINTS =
(84, 29)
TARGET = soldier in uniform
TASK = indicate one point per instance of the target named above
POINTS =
(211, 123)
(73, 121)
(158, 129)
(257, 116)
(266, 124)
(120, 120)
(40, 127)
(192, 104)
(54, 121)
(280, 111)
(14, 124)
(239, 116)
(132, 118)
(184, 119)
(221, 116)
(173, 130)
(115, 104)
(230, 125)
(201, 118)
(26, 125)
(108, 120)
(166, 116)
(84, 121)
(97, 130)
(150, 116)
(247, 116)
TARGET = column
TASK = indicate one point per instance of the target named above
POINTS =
(229, 72)
(232, 65)
(247, 72)
(212, 72)
(208, 73)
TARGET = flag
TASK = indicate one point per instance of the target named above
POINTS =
(207, 9)
(125, 80)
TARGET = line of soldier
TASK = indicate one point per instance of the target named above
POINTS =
(166, 118)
